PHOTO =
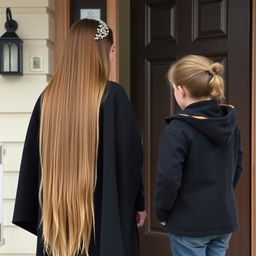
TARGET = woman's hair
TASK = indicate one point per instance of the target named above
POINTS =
(69, 139)
(200, 75)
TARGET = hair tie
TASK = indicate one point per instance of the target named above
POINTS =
(211, 73)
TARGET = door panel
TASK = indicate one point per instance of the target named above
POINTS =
(162, 31)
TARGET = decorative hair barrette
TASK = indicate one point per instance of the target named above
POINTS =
(102, 31)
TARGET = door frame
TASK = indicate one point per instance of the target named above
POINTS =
(62, 24)
(253, 149)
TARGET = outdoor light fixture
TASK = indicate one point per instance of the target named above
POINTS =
(10, 48)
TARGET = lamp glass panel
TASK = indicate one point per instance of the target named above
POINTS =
(6, 59)
(14, 58)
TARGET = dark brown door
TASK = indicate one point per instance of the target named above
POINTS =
(163, 30)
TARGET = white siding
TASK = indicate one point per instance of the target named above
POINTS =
(20, 93)
(17, 242)
(8, 210)
(17, 99)
(13, 126)
(13, 156)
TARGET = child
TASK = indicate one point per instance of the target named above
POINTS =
(200, 162)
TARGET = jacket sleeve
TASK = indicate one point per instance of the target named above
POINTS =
(140, 200)
(122, 162)
(172, 151)
(239, 164)
(129, 149)
(27, 204)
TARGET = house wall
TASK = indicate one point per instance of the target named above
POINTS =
(17, 98)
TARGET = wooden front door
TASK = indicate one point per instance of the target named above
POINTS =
(163, 30)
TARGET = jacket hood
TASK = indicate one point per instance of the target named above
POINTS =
(215, 121)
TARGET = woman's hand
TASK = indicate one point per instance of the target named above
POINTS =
(163, 223)
(141, 217)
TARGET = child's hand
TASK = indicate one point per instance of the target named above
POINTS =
(141, 217)
(163, 223)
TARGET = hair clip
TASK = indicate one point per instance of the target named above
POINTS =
(102, 31)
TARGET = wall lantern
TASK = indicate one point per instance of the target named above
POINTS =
(10, 48)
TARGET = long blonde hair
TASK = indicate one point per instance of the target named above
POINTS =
(69, 138)
(200, 75)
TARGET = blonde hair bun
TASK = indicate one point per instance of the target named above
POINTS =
(217, 68)
(200, 75)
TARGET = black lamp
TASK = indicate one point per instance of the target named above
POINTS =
(10, 48)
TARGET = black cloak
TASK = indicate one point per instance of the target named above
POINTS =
(119, 189)
(199, 166)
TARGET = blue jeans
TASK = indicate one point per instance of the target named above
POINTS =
(199, 246)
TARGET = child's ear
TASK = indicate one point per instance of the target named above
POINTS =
(181, 90)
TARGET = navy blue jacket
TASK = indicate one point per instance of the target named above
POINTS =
(200, 163)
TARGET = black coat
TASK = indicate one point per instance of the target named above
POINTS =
(200, 162)
(119, 190)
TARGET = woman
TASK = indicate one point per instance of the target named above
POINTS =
(80, 188)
